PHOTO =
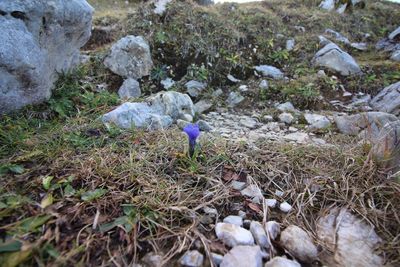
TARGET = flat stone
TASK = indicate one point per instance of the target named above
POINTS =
(290, 44)
(249, 256)
(232, 219)
(281, 262)
(299, 244)
(192, 258)
(194, 88)
(129, 89)
(202, 106)
(249, 123)
(317, 122)
(252, 191)
(270, 72)
(286, 107)
(238, 185)
(271, 203)
(233, 235)
(259, 235)
(388, 100)
(273, 229)
(234, 99)
(167, 83)
(285, 207)
(152, 259)
(352, 240)
(204, 126)
(286, 118)
(297, 137)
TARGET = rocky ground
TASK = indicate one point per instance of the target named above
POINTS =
(297, 163)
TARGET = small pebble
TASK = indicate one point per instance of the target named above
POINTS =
(271, 203)
(238, 185)
(273, 228)
(285, 207)
(192, 258)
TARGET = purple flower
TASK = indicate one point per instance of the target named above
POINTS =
(192, 131)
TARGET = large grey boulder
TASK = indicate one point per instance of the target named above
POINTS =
(372, 122)
(39, 40)
(352, 240)
(157, 112)
(335, 59)
(388, 100)
(130, 57)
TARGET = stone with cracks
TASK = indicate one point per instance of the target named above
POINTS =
(157, 112)
(388, 100)
(39, 40)
(130, 57)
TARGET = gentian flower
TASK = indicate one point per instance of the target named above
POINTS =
(192, 131)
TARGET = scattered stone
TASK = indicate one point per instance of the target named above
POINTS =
(393, 35)
(290, 44)
(270, 72)
(216, 258)
(217, 93)
(192, 258)
(249, 123)
(249, 256)
(317, 122)
(335, 59)
(328, 5)
(279, 193)
(285, 207)
(234, 99)
(353, 241)
(232, 219)
(182, 123)
(130, 57)
(268, 118)
(271, 203)
(167, 83)
(129, 89)
(243, 88)
(242, 214)
(152, 259)
(157, 112)
(232, 79)
(30, 57)
(286, 107)
(386, 146)
(299, 244)
(211, 211)
(273, 229)
(388, 100)
(161, 6)
(194, 88)
(259, 235)
(186, 117)
(281, 262)
(354, 124)
(252, 191)
(264, 85)
(396, 56)
(202, 106)
(204, 126)
(287, 118)
(293, 129)
(238, 185)
(233, 235)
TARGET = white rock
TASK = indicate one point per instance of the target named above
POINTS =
(232, 219)
(285, 107)
(335, 59)
(192, 258)
(321, 74)
(238, 185)
(394, 34)
(270, 72)
(161, 6)
(252, 191)
(248, 123)
(240, 256)
(273, 229)
(268, 118)
(281, 262)
(194, 88)
(259, 235)
(216, 258)
(129, 89)
(271, 203)
(287, 118)
(152, 260)
(233, 235)
(210, 211)
(157, 112)
(264, 85)
(299, 244)
(290, 44)
(297, 137)
(285, 207)
(352, 240)
(328, 4)
(167, 83)
(130, 57)
(234, 99)
(388, 100)
(232, 79)
(316, 121)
